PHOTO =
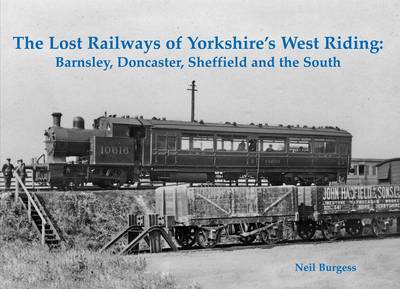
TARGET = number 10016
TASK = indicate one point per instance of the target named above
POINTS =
(115, 150)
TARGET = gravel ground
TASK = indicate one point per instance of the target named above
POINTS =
(377, 266)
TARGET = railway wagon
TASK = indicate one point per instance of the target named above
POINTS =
(119, 150)
(351, 208)
(203, 214)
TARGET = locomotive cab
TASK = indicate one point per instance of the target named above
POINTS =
(120, 152)
(135, 132)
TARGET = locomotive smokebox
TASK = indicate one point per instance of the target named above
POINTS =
(78, 122)
(57, 119)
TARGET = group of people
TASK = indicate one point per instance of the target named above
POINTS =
(253, 146)
(8, 169)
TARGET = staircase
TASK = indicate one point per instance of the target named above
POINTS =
(37, 214)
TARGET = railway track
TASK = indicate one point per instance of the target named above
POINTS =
(144, 186)
(260, 245)
(93, 188)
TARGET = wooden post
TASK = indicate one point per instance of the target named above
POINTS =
(29, 210)
(16, 191)
(155, 242)
(33, 179)
(193, 90)
(43, 232)
(175, 202)
(164, 209)
(155, 237)
(133, 221)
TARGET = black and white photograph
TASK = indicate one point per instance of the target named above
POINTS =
(199, 144)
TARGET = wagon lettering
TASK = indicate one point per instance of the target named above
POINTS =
(359, 198)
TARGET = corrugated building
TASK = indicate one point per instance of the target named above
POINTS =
(389, 171)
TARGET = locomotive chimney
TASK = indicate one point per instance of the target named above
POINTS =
(57, 118)
(78, 122)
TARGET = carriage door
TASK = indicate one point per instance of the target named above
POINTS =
(165, 149)
(253, 155)
(171, 150)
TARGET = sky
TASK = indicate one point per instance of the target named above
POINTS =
(361, 97)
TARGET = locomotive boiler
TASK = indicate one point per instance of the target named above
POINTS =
(76, 156)
(120, 150)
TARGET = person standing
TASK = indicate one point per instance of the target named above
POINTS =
(7, 170)
(21, 170)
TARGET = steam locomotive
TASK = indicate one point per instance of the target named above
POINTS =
(123, 150)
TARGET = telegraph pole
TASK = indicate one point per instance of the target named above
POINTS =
(193, 90)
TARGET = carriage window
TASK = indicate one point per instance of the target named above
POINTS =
(208, 144)
(224, 144)
(319, 147)
(120, 130)
(185, 143)
(342, 147)
(252, 145)
(273, 145)
(203, 143)
(299, 146)
(171, 143)
(240, 145)
(324, 147)
(330, 147)
(161, 142)
(196, 144)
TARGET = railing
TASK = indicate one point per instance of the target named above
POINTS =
(36, 160)
(29, 181)
(31, 202)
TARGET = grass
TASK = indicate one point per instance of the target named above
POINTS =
(33, 266)
(89, 221)
(14, 224)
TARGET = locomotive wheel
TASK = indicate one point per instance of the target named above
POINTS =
(269, 236)
(185, 236)
(204, 240)
(306, 230)
(354, 227)
(329, 231)
(378, 228)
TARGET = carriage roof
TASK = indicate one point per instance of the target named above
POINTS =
(234, 128)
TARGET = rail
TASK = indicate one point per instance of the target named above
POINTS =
(31, 202)
(42, 156)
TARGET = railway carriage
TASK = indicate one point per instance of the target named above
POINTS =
(122, 150)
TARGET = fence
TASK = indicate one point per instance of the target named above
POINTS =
(28, 180)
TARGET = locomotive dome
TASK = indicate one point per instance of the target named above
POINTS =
(78, 122)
